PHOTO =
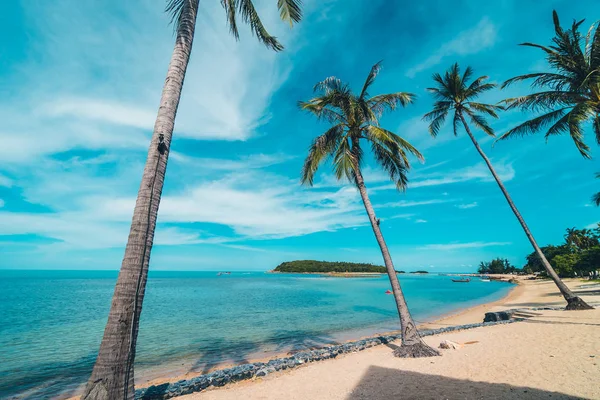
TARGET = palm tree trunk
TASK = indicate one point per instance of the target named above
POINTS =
(573, 302)
(112, 376)
(412, 345)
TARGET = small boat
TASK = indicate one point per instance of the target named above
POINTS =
(462, 280)
(388, 292)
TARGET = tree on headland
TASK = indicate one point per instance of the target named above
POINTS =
(454, 93)
(354, 120)
(112, 376)
(570, 92)
(496, 266)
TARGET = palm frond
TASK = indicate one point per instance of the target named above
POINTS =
(393, 163)
(370, 79)
(382, 102)
(392, 140)
(489, 109)
(437, 116)
(180, 10)
(344, 161)
(290, 10)
(596, 199)
(455, 123)
(553, 80)
(251, 17)
(535, 125)
(330, 84)
(480, 122)
(322, 147)
(596, 127)
(478, 90)
(576, 117)
(230, 11)
(542, 100)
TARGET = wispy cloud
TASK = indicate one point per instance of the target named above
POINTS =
(420, 221)
(467, 205)
(471, 41)
(458, 246)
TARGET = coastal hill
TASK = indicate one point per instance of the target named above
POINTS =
(312, 266)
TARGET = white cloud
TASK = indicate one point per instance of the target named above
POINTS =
(471, 41)
(407, 203)
(478, 173)
(467, 205)
(5, 181)
(420, 221)
(99, 82)
(100, 110)
(458, 246)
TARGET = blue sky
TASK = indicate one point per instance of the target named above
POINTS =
(81, 81)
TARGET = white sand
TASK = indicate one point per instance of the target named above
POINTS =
(553, 354)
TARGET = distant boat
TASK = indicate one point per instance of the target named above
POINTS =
(462, 280)
(388, 292)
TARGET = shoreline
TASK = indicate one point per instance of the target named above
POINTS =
(473, 314)
(526, 294)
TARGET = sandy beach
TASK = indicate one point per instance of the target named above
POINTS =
(551, 354)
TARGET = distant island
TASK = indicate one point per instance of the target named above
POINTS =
(419, 272)
(318, 267)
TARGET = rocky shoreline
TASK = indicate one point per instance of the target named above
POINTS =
(260, 369)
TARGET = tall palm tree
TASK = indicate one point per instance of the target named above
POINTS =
(355, 119)
(570, 93)
(455, 93)
(112, 376)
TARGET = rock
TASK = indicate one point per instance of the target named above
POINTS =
(498, 316)
(448, 344)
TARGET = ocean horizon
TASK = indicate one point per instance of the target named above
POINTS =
(194, 321)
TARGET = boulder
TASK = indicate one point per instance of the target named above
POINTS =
(498, 316)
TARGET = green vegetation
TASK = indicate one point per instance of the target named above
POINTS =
(577, 256)
(312, 266)
(419, 272)
(497, 266)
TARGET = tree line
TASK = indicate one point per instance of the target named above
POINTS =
(578, 255)
(312, 266)
(566, 97)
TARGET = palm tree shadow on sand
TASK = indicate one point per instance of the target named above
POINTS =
(385, 383)
(226, 352)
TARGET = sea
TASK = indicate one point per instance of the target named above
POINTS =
(51, 322)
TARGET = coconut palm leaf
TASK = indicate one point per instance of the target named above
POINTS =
(570, 95)
(289, 10)
(356, 119)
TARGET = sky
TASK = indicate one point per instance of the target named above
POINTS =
(80, 84)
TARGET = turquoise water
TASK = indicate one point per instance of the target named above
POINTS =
(51, 322)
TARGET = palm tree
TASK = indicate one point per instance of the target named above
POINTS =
(454, 93)
(112, 376)
(570, 93)
(355, 119)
